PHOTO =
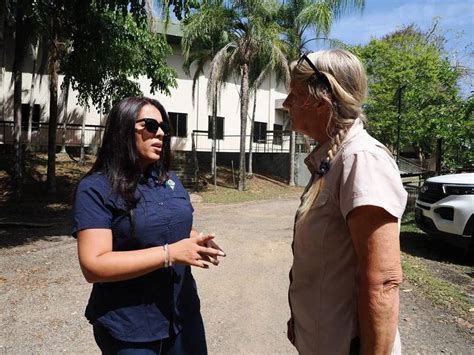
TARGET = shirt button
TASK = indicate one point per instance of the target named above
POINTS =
(160, 203)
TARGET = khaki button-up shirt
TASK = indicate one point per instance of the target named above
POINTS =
(323, 291)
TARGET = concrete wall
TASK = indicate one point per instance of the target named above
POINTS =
(302, 174)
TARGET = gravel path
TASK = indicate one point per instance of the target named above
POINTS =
(244, 300)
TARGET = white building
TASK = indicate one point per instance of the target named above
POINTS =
(186, 115)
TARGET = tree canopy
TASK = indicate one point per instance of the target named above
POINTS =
(107, 52)
(415, 63)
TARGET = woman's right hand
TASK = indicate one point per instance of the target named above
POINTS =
(190, 251)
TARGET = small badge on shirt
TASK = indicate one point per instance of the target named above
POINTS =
(170, 183)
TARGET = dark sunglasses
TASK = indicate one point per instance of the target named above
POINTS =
(152, 125)
(317, 72)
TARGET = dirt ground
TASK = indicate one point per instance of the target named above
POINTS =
(244, 300)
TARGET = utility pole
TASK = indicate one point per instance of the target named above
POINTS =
(399, 117)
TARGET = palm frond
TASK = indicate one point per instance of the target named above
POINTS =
(218, 67)
(318, 15)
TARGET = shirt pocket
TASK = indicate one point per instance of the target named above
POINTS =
(181, 214)
(321, 200)
(179, 200)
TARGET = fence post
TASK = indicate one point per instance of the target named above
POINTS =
(195, 160)
(292, 159)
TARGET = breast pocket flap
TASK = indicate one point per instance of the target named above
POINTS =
(322, 199)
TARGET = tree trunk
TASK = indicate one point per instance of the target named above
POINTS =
(421, 158)
(32, 100)
(252, 123)
(439, 155)
(214, 142)
(82, 159)
(292, 158)
(244, 105)
(3, 14)
(17, 91)
(63, 133)
(53, 112)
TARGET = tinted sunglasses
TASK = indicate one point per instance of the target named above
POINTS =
(152, 125)
(317, 72)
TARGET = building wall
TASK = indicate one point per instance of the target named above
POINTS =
(180, 100)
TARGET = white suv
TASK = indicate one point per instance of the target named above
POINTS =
(445, 206)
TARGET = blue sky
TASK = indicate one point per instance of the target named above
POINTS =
(380, 17)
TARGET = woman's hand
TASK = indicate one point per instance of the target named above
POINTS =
(194, 251)
(210, 244)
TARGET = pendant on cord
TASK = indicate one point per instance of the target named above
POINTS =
(324, 167)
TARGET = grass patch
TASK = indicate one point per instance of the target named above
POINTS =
(35, 200)
(418, 248)
(408, 223)
(439, 291)
(258, 188)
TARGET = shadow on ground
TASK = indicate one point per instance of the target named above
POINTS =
(37, 215)
(26, 223)
(418, 243)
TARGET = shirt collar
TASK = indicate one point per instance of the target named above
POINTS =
(152, 173)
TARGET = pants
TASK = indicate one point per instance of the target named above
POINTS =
(191, 340)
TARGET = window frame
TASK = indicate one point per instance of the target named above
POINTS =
(220, 121)
(257, 134)
(175, 132)
(278, 137)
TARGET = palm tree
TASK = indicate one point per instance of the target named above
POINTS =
(249, 31)
(201, 53)
(298, 17)
(34, 50)
(261, 69)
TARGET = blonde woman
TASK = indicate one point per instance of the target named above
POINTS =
(344, 289)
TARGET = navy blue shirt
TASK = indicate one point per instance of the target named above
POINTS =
(156, 305)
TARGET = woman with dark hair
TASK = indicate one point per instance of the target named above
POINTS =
(133, 224)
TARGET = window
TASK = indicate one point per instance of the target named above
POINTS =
(278, 134)
(259, 132)
(219, 127)
(35, 119)
(179, 124)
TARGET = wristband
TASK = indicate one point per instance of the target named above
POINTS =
(167, 262)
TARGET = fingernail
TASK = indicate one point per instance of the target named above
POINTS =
(221, 253)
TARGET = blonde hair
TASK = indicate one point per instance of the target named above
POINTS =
(348, 87)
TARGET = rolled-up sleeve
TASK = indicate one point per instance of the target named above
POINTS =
(91, 209)
(370, 178)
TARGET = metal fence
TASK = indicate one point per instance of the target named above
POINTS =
(69, 135)
(273, 142)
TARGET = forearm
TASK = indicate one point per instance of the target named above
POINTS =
(375, 236)
(378, 315)
(122, 265)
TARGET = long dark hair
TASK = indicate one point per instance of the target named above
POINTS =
(118, 158)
